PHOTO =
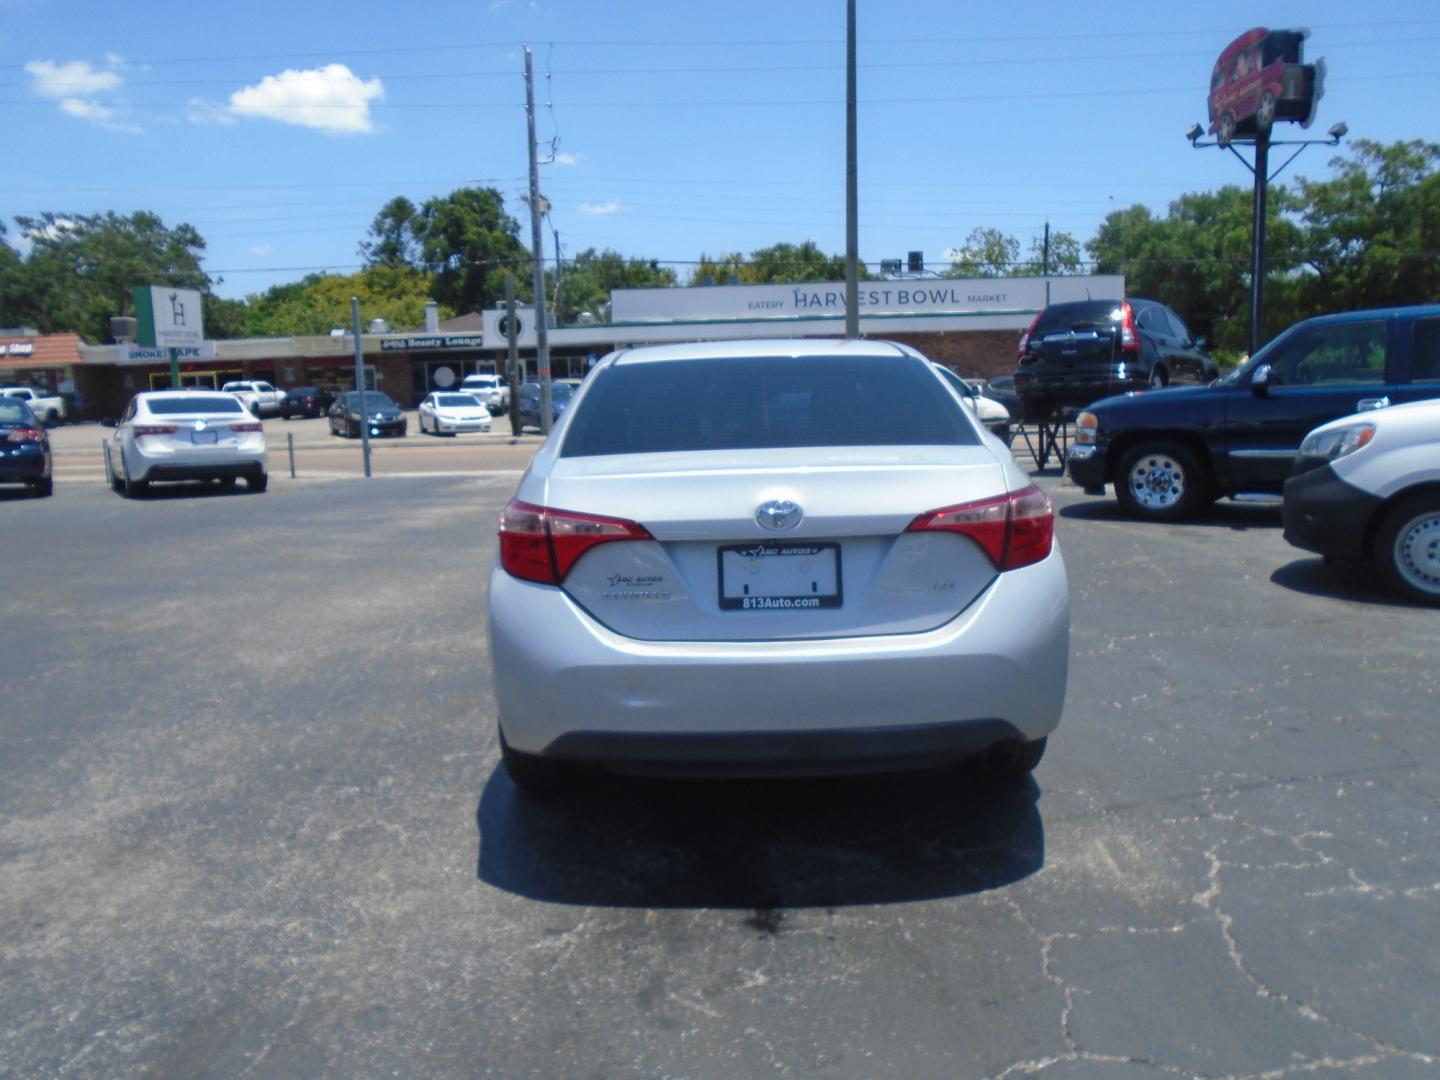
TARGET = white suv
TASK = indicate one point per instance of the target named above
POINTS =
(1366, 488)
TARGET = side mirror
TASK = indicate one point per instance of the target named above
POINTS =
(1202, 342)
(1260, 380)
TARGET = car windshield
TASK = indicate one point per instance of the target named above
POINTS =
(458, 401)
(734, 403)
(193, 403)
(561, 391)
(374, 399)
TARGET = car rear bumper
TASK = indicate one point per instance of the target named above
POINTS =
(196, 465)
(23, 463)
(1324, 514)
(568, 687)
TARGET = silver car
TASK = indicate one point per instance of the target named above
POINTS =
(771, 558)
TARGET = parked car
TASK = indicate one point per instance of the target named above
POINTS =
(376, 413)
(562, 391)
(306, 401)
(1366, 488)
(1170, 452)
(989, 412)
(24, 448)
(49, 409)
(449, 414)
(490, 389)
(1083, 350)
(185, 435)
(774, 557)
(260, 397)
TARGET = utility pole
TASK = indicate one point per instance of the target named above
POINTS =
(1257, 242)
(360, 383)
(852, 213)
(537, 254)
(512, 353)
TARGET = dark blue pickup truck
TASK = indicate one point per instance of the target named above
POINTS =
(1171, 452)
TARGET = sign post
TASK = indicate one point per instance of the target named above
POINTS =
(360, 382)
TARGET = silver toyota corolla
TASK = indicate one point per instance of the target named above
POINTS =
(774, 557)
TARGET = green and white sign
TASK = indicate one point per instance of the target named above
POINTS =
(169, 318)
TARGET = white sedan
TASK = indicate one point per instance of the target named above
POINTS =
(185, 435)
(774, 557)
(443, 413)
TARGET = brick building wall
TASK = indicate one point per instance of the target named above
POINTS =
(985, 353)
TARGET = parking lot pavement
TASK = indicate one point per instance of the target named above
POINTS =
(252, 822)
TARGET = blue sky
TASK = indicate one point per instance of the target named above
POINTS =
(279, 129)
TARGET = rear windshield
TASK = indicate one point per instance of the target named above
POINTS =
(762, 402)
(1081, 315)
(194, 403)
(15, 412)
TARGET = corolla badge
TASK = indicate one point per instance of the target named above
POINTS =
(778, 514)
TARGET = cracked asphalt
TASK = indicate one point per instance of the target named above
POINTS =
(254, 825)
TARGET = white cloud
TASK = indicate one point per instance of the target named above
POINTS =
(562, 158)
(599, 208)
(200, 111)
(71, 80)
(331, 99)
(259, 249)
(99, 115)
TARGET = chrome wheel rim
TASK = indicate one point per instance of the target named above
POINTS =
(1265, 113)
(1157, 482)
(1417, 553)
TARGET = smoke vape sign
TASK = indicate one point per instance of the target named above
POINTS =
(168, 318)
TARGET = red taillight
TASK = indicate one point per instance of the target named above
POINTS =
(25, 434)
(247, 427)
(1025, 337)
(540, 544)
(1015, 530)
(1129, 340)
(154, 429)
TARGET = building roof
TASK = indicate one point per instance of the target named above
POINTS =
(47, 350)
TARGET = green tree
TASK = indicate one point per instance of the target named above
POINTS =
(469, 241)
(321, 302)
(586, 281)
(1064, 258)
(777, 264)
(987, 253)
(10, 270)
(81, 268)
(1372, 232)
(394, 236)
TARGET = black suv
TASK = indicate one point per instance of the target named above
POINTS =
(1171, 452)
(1077, 352)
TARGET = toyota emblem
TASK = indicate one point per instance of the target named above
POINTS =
(778, 514)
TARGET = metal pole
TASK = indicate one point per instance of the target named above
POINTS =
(852, 213)
(512, 358)
(174, 355)
(537, 253)
(1257, 264)
(290, 445)
(1045, 267)
(360, 382)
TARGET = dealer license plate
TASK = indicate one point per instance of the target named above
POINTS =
(779, 577)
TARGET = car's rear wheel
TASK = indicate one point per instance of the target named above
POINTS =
(1265, 112)
(44, 486)
(1013, 759)
(257, 483)
(1161, 481)
(534, 773)
(134, 489)
(1407, 548)
(1159, 378)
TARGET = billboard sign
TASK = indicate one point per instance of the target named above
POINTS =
(169, 318)
(1259, 79)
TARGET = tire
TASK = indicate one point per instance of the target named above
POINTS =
(227, 481)
(44, 487)
(1160, 481)
(256, 484)
(1159, 378)
(1225, 130)
(1265, 112)
(1012, 760)
(134, 489)
(532, 773)
(1407, 548)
